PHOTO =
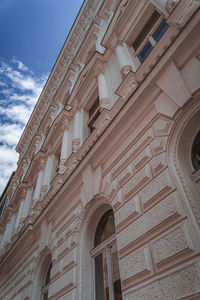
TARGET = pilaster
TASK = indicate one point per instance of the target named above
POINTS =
(36, 196)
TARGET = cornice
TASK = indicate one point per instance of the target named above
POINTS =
(61, 68)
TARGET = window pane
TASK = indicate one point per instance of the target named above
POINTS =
(105, 228)
(116, 275)
(196, 152)
(45, 297)
(143, 34)
(101, 277)
(160, 30)
(47, 281)
(145, 52)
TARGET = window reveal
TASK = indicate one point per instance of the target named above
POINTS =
(150, 35)
(196, 152)
(93, 112)
(107, 277)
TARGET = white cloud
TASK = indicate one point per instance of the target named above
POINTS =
(21, 92)
(20, 64)
(18, 113)
(10, 134)
(8, 159)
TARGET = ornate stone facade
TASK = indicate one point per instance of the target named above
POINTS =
(135, 159)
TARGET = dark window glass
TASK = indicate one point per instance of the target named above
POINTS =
(145, 52)
(93, 108)
(47, 281)
(105, 228)
(160, 30)
(45, 297)
(93, 114)
(101, 277)
(144, 32)
(196, 152)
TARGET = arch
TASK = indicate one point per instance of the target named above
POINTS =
(180, 157)
(95, 209)
(43, 266)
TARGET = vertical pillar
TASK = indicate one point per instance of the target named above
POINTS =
(48, 172)
(8, 232)
(19, 215)
(36, 195)
(127, 61)
(25, 167)
(64, 148)
(104, 101)
(76, 142)
(27, 202)
(110, 279)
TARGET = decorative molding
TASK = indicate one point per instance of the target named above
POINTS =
(69, 51)
(171, 4)
(128, 85)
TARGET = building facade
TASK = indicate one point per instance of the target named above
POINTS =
(104, 204)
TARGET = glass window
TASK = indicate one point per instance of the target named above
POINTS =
(160, 30)
(107, 277)
(45, 287)
(150, 35)
(93, 113)
(196, 152)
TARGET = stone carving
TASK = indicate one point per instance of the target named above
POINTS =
(126, 70)
(75, 145)
(171, 4)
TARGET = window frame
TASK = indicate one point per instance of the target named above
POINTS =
(105, 248)
(149, 37)
(45, 286)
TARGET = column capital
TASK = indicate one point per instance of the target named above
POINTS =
(41, 165)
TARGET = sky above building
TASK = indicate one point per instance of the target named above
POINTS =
(32, 33)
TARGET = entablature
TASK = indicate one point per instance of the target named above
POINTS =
(70, 48)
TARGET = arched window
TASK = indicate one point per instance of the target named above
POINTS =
(45, 286)
(196, 152)
(104, 253)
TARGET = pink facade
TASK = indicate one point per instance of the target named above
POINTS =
(104, 204)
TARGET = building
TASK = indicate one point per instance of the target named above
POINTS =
(104, 204)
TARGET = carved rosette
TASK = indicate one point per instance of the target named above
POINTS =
(104, 103)
(126, 70)
(62, 168)
(76, 145)
(103, 125)
(43, 192)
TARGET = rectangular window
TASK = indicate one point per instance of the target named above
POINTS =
(150, 35)
(93, 113)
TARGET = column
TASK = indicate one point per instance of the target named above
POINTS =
(48, 172)
(104, 101)
(64, 148)
(76, 142)
(110, 273)
(19, 215)
(128, 62)
(36, 195)
(25, 167)
(27, 202)
(8, 232)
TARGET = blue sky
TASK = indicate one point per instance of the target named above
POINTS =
(32, 33)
